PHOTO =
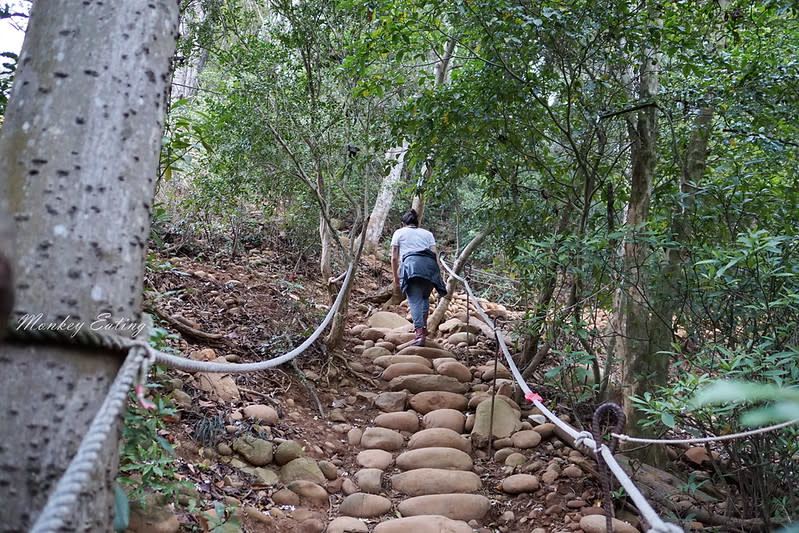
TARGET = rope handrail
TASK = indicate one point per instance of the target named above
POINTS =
(648, 513)
(140, 356)
(701, 440)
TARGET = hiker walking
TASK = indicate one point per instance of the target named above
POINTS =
(414, 263)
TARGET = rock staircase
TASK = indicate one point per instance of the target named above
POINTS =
(416, 459)
(444, 448)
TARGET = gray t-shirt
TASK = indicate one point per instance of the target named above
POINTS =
(411, 239)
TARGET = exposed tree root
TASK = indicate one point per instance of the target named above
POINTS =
(352, 371)
(185, 329)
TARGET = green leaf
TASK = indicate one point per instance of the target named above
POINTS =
(780, 412)
(165, 445)
(740, 391)
(667, 419)
(121, 509)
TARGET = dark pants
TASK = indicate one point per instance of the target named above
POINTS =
(418, 293)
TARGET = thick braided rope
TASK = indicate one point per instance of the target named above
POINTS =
(65, 495)
(113, 342)
(647, 512)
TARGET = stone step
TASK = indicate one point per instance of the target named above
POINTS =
(362, 505)
(416, 383)
(427, 401)
(435, 457)
(426, 351)
(445, 418)
(382, 439)
(386, 361)
(399, 421)
(405, 369)
(455, 506)
(439, 437)
(422, 481)
(423, 524)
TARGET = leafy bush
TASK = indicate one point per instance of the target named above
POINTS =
(744, 312)
(147, 461)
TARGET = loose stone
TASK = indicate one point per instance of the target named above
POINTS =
(347, 524)
(518, 483)
(370, 480)
(597, 524)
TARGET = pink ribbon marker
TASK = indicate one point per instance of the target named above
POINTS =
(144, 402)
(533, 397)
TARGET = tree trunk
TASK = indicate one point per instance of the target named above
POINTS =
(438, 315)
(336, 334)
(6, 258)
(385, 197)
(643, 369)
(441, 70)
(186, 77)
(325, 256)
(78, 160)
(668, 293)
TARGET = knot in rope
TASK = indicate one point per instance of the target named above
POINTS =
(586, 438)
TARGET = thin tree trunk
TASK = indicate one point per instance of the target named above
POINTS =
(336, 334)
(666, 300)
(438, 315)
(186, 76)
(418, 197)
(385, 197)
(532, 354)
(325, 256)
(441, 71)
(78, 158)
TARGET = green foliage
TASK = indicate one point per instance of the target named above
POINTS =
(272, 132)
(147, 460)
(536, 128)
(9, 68)
(222, 516)
(784, 408)
(574, 374)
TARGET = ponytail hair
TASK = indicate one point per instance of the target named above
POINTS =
(410, 218)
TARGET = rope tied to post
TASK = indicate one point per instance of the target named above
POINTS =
(614, 411)
(140, 356)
